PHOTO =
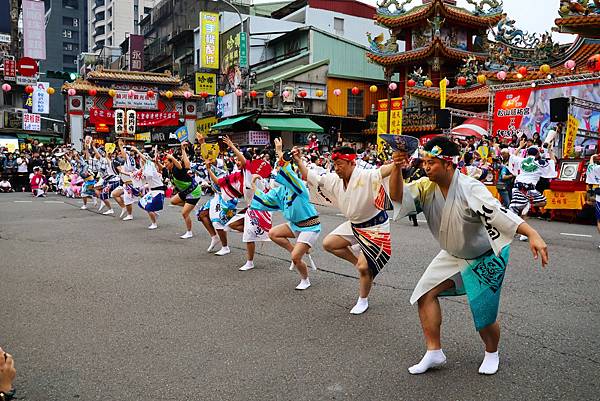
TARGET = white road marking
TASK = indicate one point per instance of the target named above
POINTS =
(22, 201)
(54, 202)
(576, 235)
(421, 221)
(339, 214)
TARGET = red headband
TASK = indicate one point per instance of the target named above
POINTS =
(343, 156)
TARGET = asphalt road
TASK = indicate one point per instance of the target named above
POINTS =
(98, 309)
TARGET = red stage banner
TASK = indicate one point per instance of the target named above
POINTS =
(510, 109)
(144, 118)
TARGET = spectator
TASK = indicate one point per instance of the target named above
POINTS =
(10, 168)
(5, 185)
(7, 375)
(22, 180)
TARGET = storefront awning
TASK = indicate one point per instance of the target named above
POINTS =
(288, 124)
(229, 122)
(46, 139)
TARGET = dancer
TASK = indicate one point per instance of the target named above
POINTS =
(593, 178)
(109, 178)
(153, 199)
(528, 172)
(127, 193)
(293, 200)
(362, 196)
(474, 232)
(86, 171)
(189, 191)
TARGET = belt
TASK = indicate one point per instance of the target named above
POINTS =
(380, 218)
(522, 185)
(310, 222)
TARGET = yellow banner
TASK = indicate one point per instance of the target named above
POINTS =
(206, 83)
(209, 40)
(570, 135)
(443, 92)
(564, 200)
(203, 125)
(396, 117)
(143, 136)
(381, 123)
(209, 151)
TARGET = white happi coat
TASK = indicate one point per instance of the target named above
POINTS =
(467, 224)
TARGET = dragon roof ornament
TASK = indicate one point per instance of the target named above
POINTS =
(572, 8)
(399, 7)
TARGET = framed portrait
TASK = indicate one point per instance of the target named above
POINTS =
(569, 170)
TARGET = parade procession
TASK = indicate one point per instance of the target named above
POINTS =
(299, 199)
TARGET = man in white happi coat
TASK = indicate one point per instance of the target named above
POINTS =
(474, 232)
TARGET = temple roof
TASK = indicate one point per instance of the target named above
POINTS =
(421, 13)
(584, 25)
(435, 47)
(133, 76)
(477, 96)
(82, 86)
(579, 52)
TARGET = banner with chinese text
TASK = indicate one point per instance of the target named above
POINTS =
(570, 135)
(144, 118)
(209, 40)
(206, 83)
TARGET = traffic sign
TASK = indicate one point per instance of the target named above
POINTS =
(243, 50)
(27, 67)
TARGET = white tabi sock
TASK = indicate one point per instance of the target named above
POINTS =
(361, 306)
(304, 284)
(188, 234)
(490, 363)
(249, 265)
(224, 251)
(214, 241)
(431, 359)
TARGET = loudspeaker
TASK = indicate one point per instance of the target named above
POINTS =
(443, 118)
(559, 109)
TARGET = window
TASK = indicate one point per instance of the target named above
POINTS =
(110, 12)
(147, 10)
(338, 25)
(69, 59)
(355, 104)
(71, 4)
(110, 41)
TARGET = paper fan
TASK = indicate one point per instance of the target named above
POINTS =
(402, 143)
(261, 168)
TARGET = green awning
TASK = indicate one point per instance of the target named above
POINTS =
(46, 139)
(289, 124)
(229, 122)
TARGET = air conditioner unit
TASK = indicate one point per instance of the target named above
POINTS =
(291, 97)
(209, 107)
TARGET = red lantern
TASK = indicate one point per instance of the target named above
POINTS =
(302, 94)
(150, 94)
(29, 89)
(461, 81)
(204, 95)
(523, 71)
(355, 91)
(411, 83)
(92, 92)
(593, 63)
(253, 93)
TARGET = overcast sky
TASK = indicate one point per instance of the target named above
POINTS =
(531, 15)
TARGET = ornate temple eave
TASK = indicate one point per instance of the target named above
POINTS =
(477, 96)
(436, 47)
(419, 13)
(82, 87)
(133, 76)
(584, 25)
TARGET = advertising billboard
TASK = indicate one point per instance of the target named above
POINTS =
(209, 40)
(526, 111)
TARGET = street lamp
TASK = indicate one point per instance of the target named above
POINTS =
(241, 26)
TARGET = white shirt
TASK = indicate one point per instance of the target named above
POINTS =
(22, 165)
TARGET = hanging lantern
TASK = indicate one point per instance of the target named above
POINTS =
(187, 94)
(6, 87)
(302, 93)
(239, 92)
(112, 93)
(269, 94)
(411, 83)
(203, 95)
(253, 93)
(461, 81)
(373, 88)
(221, 93)
(169, 94)
(50, 90)
(570, 64)
(355, 91)
(519, 75)
(150, 94)
(544, 68)
(593, 63)
(337, 92)
(131, 93)
(393, 86)
(319, 93)
(481, 79)
(71, 92)
(92, 92)
(428, 83)
(285, 94)
(501, 75)
(29, 89)
(523, 71)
